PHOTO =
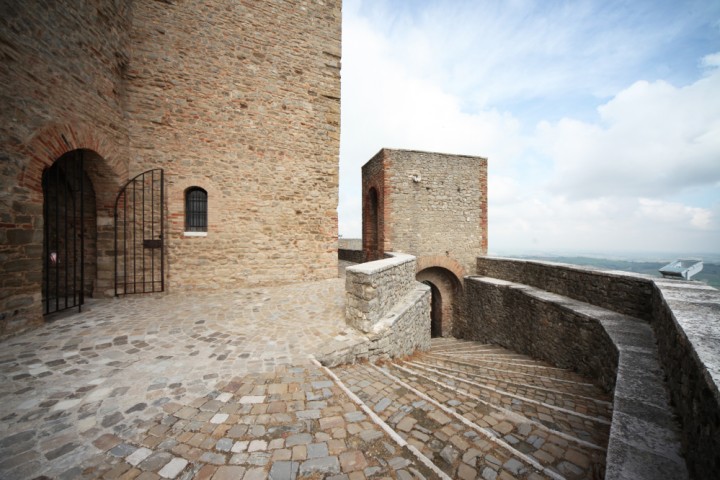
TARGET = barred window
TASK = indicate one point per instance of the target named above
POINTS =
(196, 210)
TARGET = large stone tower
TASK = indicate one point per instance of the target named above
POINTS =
(233, 110)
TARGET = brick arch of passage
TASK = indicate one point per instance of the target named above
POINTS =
(106, 166)
(55, 140)
(447, 292)
(444, 262)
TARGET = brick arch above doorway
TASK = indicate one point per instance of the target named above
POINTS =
(55, 140)
(447, 294)
(442, 261)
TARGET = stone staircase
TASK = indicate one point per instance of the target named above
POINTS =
(481, 411)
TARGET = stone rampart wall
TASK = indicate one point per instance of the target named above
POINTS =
(526, 320)
(685, 319)
(616, 350)
(619, 291)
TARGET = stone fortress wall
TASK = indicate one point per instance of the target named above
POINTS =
(240, 99)
(243, 100)
(652, 342)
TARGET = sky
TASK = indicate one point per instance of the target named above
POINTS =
(600, 119)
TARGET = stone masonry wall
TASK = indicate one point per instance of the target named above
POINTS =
(618, 351)
(434, 204)
(384, 301)
(685, 318)
(622, 292)
(506, 314)
(405, 329)
(60, 89)
(243, 100)
(373, 289)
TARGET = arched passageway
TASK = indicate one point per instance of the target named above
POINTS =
(435, 310)
(371, 226)
(446, 291)
(69, 242)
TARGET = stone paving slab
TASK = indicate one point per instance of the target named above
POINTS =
(96, 379)
(220, 386)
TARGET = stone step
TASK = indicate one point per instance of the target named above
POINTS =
(585, 426)
(515, 393)
(557, 451)
(461, 448)
(482, 411)
(555, 393)
(531, 369)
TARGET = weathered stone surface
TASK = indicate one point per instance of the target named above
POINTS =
(254, 122)
(593, 311)
(428, 205)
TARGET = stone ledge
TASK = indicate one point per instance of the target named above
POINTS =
(373, 289)
(644, 438)
(686, 319)
(405, 329)
(378, 266)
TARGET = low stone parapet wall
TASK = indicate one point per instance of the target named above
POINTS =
(538, 324)
(373, 289)
(403, 331)
(387, 304)
(616, 350)
(685, 318)
(618, 291)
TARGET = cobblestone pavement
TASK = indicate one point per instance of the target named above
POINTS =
(221, 386)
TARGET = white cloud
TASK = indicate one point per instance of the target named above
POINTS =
(607, 185)
(654, 139)
(675, 214)
(712, 60)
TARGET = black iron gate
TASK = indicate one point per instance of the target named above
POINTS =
(139, 228)
(64, 234)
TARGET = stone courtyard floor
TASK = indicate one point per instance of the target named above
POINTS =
(222, 386)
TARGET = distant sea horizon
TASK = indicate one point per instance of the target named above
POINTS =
(627, 256)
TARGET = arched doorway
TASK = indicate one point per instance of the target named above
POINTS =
(371, 226)
(446, 291)
(435, 310)
(69, 234)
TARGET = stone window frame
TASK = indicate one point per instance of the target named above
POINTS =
(202, 229)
